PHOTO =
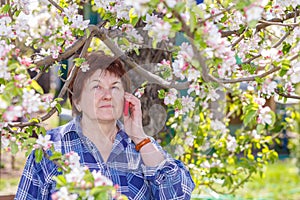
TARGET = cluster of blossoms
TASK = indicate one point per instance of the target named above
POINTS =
(16, 30)
(78, 178)
(264, 112)
(133, 36)
(4, 71)
(32, 102)
(74, 18)
(182, 64)
(219, 47)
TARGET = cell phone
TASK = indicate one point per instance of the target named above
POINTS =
(126, 108)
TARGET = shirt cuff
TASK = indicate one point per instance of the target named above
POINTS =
(166, 169)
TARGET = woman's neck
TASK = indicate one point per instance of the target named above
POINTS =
(96, 130)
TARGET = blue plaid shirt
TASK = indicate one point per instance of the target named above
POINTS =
(169, 180)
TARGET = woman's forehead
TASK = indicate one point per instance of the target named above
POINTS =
(101, 75)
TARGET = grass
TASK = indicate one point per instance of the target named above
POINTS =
(8, 186)
(280, 181)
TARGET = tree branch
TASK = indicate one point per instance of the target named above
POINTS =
(277, 23)
(216, 15)
(152, 78)
(63, 90)
(287, 95)
(266, 23)
(56, 5)
(252, 78)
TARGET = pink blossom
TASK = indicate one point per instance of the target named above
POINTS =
(100, 180)
(171, 97)
(260, 101)
(13, 113)
(231, 143)
(253, 12)
(44, 141)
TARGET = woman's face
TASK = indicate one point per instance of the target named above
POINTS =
(102, 97)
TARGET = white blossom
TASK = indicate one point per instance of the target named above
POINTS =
(100, 180)
(44, 141)
(85, 67)
(269, 87)
(179, 151)
(150, 21)
(160, 31)
(294, 73)
(179, 65)
(171, 97)
(78, 22)
(140, 6)
(2, 87)
(75, 176)
(218, 126)
(63, 194)
(205, 164)
(187, 103)
(253, 13)
(13, 113)
(193, 74)
(190, 139)
(231, 143)
(73, 160)
(264, 116)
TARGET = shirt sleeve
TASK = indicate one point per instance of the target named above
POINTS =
(170, 179)
(35, 182)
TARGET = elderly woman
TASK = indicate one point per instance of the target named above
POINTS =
(122, 152)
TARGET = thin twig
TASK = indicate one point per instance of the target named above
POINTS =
(251, 78)
(62, 91)
(216, 15)
(241, 37)
(287, 95)
(152, 78)
(56, 5)
(283, 38)
(277, 23)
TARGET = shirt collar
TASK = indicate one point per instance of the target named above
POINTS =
(74, 126)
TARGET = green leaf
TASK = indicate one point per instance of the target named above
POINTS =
(29, 141)
(60, 180)
(286, 48)
(79, 61)
(38, 155)
(242, 4)
(161, 94)
(6, 8)
(55, 156)
(34, 84)
(13, 66)
(250, 115)
(260, 128)
(14, 148)
(58, 108)
(179, 7)
(193, 21)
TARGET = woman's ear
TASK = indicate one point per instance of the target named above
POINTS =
(77, 106)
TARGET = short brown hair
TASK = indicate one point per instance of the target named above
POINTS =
(97, 60)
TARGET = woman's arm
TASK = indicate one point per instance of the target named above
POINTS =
(29, 184)
(170, 179)
(36, 180)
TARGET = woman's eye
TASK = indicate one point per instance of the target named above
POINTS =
(115, 87)
(97, 87)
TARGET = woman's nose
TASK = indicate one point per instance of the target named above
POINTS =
(106, 94)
